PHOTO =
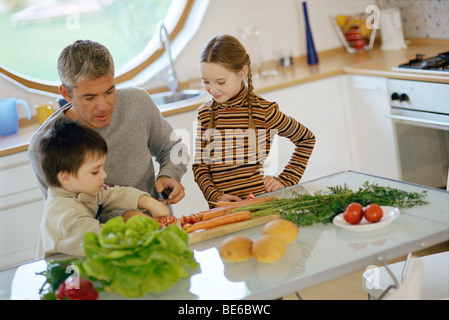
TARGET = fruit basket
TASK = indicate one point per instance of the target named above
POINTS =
(354, 32)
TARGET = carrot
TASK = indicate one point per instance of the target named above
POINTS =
(219, 221)
(227, 209)
(217, 212)
(246, 202)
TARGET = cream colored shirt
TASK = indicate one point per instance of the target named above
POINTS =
(68, 216)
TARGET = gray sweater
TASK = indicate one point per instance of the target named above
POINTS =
(136, 135)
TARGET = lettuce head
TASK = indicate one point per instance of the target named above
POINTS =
(137, 257)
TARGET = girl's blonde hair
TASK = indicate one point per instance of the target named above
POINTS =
(228, 52)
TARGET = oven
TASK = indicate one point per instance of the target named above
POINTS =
(420, 115)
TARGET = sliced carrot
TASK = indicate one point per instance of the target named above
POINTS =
(219, 221)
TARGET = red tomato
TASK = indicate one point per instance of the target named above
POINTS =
(171, 220)
(183, 220)
(162, 222)
(76, 289)
(193, 218)
(250, 197)
(353, 213)
(166, 221)
(373, 213)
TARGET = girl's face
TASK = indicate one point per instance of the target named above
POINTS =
(90, 178)
(221, 83)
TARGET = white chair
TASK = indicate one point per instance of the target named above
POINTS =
(427, 279)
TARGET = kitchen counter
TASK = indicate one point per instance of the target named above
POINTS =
(320, 253)
(331, 63)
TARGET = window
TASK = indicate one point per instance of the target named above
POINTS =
(34, 32)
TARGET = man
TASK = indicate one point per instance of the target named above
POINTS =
(127, 118)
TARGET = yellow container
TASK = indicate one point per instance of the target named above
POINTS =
(43, 110)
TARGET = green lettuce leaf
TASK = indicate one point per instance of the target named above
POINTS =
(135, 257)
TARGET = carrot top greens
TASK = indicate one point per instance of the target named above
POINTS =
(322, 207)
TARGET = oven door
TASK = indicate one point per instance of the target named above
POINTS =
(422, 141)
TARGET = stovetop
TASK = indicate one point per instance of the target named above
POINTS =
(436, 65)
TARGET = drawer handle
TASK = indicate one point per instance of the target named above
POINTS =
(420, 121)
(365, 86)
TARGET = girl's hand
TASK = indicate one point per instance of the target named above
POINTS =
(271, 184)
(228, 198)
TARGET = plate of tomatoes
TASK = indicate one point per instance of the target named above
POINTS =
(361, 219)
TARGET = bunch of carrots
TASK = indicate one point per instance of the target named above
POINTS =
(220, 215)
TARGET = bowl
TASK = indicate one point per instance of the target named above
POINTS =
(354, 31)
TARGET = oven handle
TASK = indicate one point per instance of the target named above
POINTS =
(419, 121)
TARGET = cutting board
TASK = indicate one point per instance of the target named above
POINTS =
(201, 235)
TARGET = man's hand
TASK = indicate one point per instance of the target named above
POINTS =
(172, 188)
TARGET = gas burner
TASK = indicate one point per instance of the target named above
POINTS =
(436, 65)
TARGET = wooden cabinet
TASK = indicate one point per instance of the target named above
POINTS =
(21, 208)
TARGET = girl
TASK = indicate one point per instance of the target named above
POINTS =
(235, 129)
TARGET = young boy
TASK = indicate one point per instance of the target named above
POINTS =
(73, 163)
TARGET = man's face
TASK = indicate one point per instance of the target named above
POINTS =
(93, 101)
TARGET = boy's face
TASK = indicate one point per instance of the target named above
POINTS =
(90, 178)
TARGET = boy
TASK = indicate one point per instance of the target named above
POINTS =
(73, 164)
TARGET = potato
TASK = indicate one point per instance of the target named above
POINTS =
(268, 248)
(235, 249)
(284, 229)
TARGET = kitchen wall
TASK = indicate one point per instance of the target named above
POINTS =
(422, 18)
(282, 31)
(281, 26)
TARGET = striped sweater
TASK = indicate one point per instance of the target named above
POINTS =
(226, 164)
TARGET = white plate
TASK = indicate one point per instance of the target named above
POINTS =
(389, 214)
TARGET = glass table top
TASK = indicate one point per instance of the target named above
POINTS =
(321, 252)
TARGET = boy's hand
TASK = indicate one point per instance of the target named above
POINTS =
(130, 213)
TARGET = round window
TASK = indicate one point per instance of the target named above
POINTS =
(34, 32)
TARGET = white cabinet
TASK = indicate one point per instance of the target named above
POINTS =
(371, 135)
(21, 208)
(317, 105)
